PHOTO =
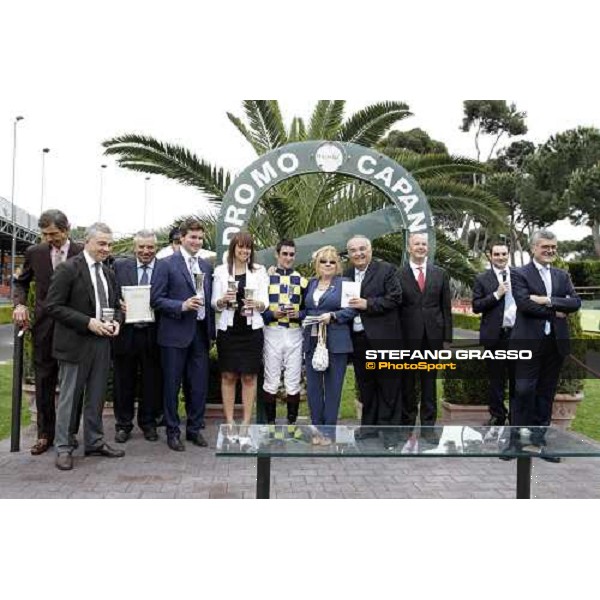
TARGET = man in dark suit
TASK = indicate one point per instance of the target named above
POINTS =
(426, 317)
(40, 262)
(136, 352)
(185, 330)
(493, 299)
(376, 326)
(544, 296)
(81, 293)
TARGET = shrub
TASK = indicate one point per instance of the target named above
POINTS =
(473, 386)
(462, 321)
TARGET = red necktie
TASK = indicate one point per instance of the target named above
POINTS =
(421, 279)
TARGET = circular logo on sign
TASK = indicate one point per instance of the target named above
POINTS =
(329, 158)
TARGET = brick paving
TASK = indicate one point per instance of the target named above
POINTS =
(151, 470)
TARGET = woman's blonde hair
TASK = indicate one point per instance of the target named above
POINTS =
(327, 252)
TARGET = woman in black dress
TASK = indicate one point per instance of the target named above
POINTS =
(240, 295)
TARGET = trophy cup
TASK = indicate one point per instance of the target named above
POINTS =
(232, 286)
(249, 295)
(199, 281)
(108, 316)
(287, 306)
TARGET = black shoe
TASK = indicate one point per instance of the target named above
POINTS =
(175, 444)
(150, 434)
(122, 436)
(507, 457)
(203, 425)
(197, 439)
(105, 450)
(550, 459)
(496, 422)
(363, 433)
(64, 462)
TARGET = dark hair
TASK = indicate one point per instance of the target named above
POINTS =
(501, 241)
(54, 217)
(243, 239)
(282, 243)
(174, 234)
(190, 225)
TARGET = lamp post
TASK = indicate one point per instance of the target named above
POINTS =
(146, 185)
(12, 205)
(44, 152)
(101, 193)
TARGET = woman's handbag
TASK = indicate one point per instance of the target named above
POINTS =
(320, 359)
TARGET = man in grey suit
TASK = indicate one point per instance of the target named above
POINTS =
(80, 289)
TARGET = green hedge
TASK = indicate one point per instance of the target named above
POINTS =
(5, 314)
(462, 321)
(584, 272)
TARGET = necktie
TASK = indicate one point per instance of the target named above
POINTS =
(510, 308)
(421, 279)
(195, 270)
(100, 287)
(144, 280)
(357, 322)
(545, 273)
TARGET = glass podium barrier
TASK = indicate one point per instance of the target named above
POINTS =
(448, 441)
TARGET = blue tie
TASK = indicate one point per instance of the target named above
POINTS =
(545, 273)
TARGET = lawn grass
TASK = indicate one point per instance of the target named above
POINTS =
(587, 420)
(6, 402)
(590, 319)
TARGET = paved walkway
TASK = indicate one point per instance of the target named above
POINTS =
(151, 470)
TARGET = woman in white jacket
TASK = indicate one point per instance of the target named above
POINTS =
(240, 294)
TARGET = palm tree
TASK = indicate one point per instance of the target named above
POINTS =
(301, 205)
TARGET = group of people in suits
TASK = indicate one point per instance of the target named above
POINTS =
(257, 318)
(525, 308)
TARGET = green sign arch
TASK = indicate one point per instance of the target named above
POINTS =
(410, 211)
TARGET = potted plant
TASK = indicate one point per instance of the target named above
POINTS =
(465, 394)
(569, 391)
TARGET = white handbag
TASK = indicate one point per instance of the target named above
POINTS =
(320, 359)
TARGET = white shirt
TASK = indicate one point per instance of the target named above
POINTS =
(510, 306)
(62, 252)
(90, 263)
(149, 270)
(191, 262)
(415, 269)
(546, 276)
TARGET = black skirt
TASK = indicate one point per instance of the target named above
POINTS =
(240, 350)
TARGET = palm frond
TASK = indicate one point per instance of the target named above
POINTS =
(432, 164)
(368, 125)
(326, 120)
(266, 123)
(297, 131)
(258, 148)
(147, 155)
(448, 197)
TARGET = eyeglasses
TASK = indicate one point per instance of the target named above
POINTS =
(327, 262)
(290, 254)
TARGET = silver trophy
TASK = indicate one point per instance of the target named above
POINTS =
(232, 286)
(285, 307)
(249, 295)
(199, 281)
(107, 315)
